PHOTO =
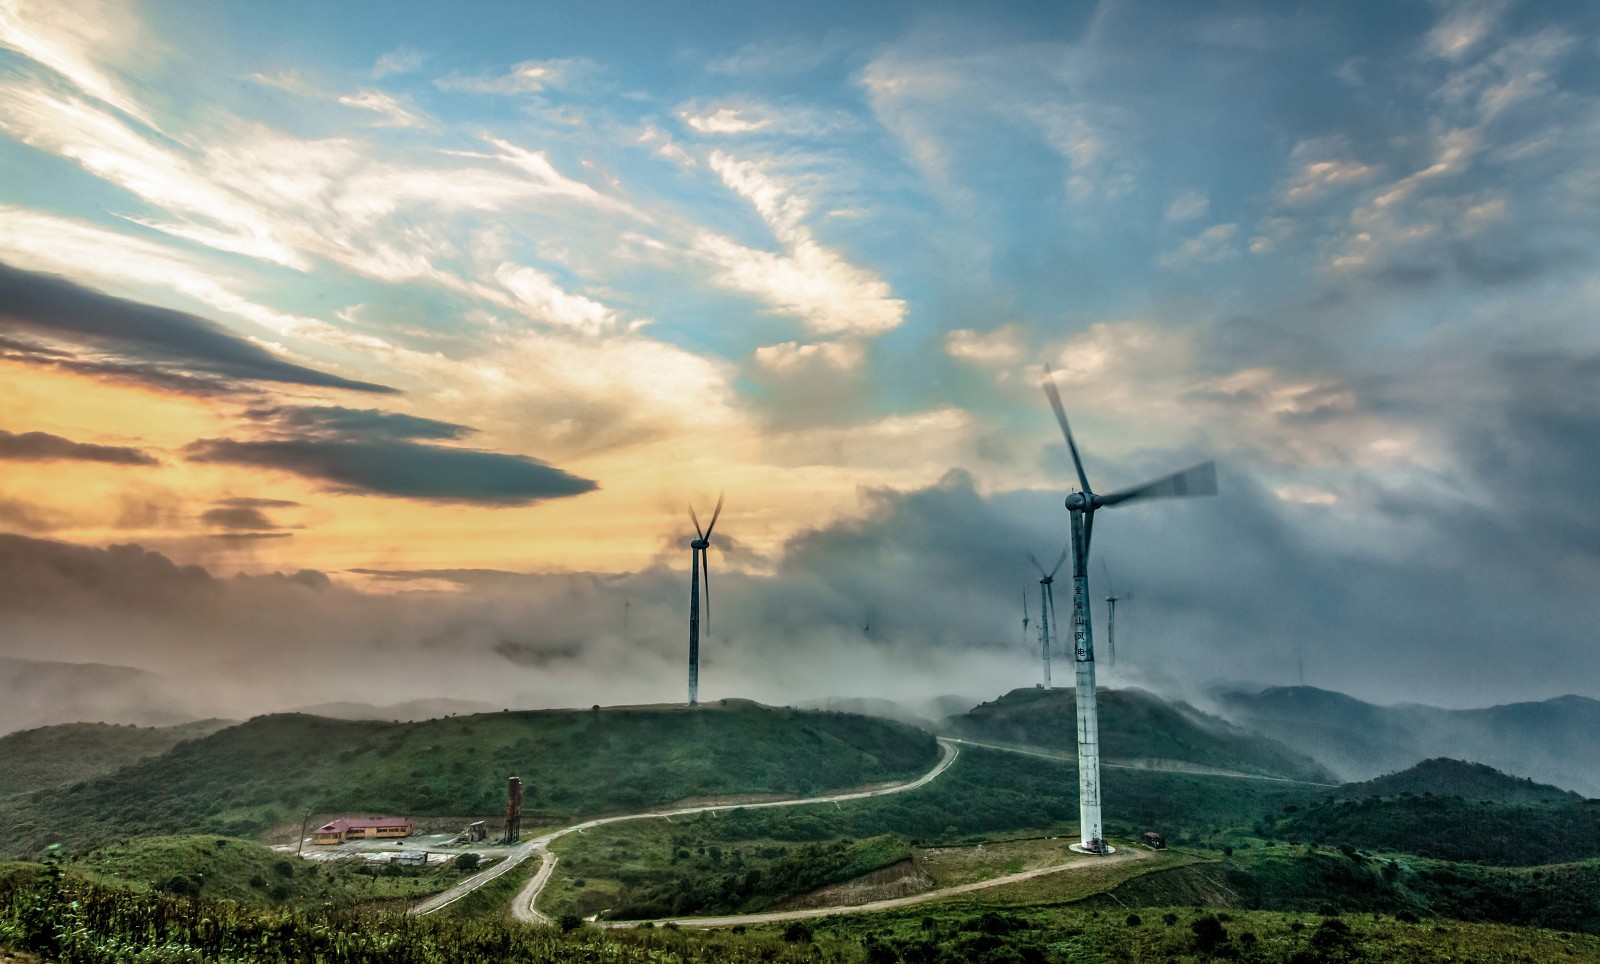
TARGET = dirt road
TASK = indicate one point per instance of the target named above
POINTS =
(524, 907)
(1195, 769)
(892, 903)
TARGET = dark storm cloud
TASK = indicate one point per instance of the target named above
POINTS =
(42, 447)
(250, 536)
(160, 345)
(402, 469)
(332, 420)
(238, 517)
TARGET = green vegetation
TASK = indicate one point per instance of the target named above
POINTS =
(52, 756)
(1456, 778)
(253, 875)
(1451, 828)
(492, 901)
(1134, 725)
(79, 923)
(987, 794)
(645, 871)
(263, 773)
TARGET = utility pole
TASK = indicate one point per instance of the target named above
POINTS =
(305, 822)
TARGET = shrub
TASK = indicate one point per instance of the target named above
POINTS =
(1134, 920)
(468, 862)
(797, 933)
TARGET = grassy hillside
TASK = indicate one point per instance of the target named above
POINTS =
(1444, 777)
(253, 875)
(52, 756)
(245, 779)
(1453, 828)
(1134, 725)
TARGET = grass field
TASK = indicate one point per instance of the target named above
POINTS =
(52, 756)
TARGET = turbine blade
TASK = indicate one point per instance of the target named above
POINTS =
(714, 513)
(1034, 559)
(1050, 391)
(698, 533)
(705, 568)
(1107, 570)
(1059, 562)
(1199, 480)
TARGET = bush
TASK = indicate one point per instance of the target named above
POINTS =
(1134, 920)
(468, 862)
(569, 923)
(797, 933)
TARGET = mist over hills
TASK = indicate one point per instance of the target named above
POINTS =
(1552, 741)
(36, 693)
(1136, 727)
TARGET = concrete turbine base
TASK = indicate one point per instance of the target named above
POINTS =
(1080, 848)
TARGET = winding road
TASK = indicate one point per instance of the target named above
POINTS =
(524, 908)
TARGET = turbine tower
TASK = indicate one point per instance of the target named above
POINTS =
(1081, 505)
(1047, 605)
(1111, 613)
(697, 564)
(1024, 617)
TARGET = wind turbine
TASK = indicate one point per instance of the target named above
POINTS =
(1111, 614)
(697, 564)
(1081, 505)
(1047, 605)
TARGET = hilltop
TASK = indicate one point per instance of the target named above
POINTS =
(51, 756)
(1443, 777)
(1136, 726)
(1551, 741)
(1451, 810)
(266, 772)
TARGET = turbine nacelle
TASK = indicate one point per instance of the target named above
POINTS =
(1082, 501)
(700, 544)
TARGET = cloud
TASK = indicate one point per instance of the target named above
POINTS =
(539, 296)
(527, 77)
(1188, 206)
(792, 358)
(338, 422)
(247, 502)
(401, 469)
(393, 112)
(724, 120)
(76, 41)
(1003, 346)
(238, 517)
(401, 60)
(165, 347)
(1214, 244)
(42, 447)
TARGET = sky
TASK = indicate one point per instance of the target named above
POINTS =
(403, 334)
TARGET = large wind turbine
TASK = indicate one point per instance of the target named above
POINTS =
(697, 564)
(1047, 606)
(1081, 505)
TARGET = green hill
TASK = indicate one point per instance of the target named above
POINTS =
(253, 875)
(52, 756)
(1518, 830)
(1135, 726)
(1444, 777)
(266, 772)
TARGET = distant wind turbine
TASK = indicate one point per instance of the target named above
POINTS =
(1111, 613)
(1200, 480)
(698, 564)
(1047, 606)
(1024, 617)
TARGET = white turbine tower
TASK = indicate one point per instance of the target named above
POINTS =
(1200, 480)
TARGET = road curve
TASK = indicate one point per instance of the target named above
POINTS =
(524, 908)
(775, 917)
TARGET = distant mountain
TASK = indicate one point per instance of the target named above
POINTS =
(37, 693)
(428, 709)
(50, 756)
(1551, 741)
(1136, 726)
